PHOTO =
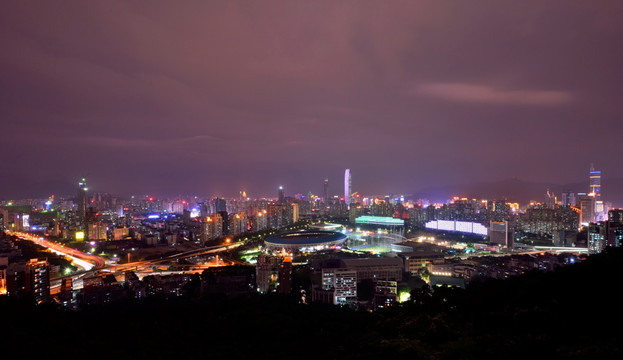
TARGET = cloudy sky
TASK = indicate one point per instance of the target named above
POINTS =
(210, 97)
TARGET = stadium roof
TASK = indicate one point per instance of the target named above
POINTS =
(379, 220)
(306, 238)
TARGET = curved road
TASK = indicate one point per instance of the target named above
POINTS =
(83, 260)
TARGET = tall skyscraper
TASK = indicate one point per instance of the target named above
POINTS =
(282, 198)
(285, 276)
(595, 189)
(211, 227)
(587, 207)
(326, 191)
(596, 238)
(219, 205)
(614, 227)
(568, 198)
(82, 199)
(347, 187)
(595, 182)
(38, 279)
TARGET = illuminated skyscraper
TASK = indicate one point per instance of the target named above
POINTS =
(82, 199)
(595, 182)
(347, 187)
(281, 196)
(595, 189)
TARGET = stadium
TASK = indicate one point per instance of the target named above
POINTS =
(305, 241)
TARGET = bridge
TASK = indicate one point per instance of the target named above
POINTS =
(561, 249)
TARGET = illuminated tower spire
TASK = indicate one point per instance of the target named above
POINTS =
(347, 187)
(326, 191)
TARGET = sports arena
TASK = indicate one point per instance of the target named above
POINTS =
(305, 241)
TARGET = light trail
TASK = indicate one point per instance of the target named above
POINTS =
(85, 265)
(80, 259)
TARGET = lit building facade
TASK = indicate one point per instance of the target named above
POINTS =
(82, 199)
(238, 223)
(595, 190)
(547, 220)
(596, 237)
(501, 233)
(587, 207)
(260, 221)
(614, 227)
(343, 282)
(211, 227)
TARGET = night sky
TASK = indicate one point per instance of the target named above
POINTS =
(210, 97)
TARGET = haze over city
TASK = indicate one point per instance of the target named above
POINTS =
(215, 97)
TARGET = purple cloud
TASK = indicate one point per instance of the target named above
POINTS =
(472, 93)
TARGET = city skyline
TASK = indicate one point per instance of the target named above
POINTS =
(352, 179)
(509, 189)
(217, 97)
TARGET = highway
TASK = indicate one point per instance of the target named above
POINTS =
(92, 265)
(80, 259)
(182, 255)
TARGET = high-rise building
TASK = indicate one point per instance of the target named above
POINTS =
(326, 191)
(548, 220)
(219, 205)
(38, 279)
(295, 212)
(595, 189)
(285, 276)
(568, 198)
(595, 182)
(500, 233)
(343, 282)
(4, 263)
(614, 227)
(281, 196)
(238, 223)
(211, 227)
(267, 273)
(4, 219)
(260, 221)
(96, 231)
(82, 199)
(347, 187)
(587, 207)
(596, 237)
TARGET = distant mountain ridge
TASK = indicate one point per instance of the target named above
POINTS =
(516, 190)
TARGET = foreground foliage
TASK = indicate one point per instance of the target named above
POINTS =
(568, 313)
